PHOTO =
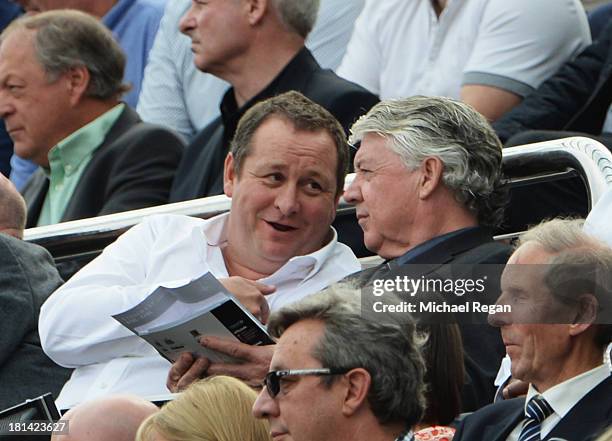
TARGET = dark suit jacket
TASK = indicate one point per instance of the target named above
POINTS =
(584, 421)
(133, 168)
(576, 98)
(27, 277)
(483, 347)
(201, 170)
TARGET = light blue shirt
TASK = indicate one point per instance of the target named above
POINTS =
(177, 95)
(134, 24)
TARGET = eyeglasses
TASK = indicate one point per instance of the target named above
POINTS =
(272, 378)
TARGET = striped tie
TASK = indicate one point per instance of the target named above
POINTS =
(537, 411)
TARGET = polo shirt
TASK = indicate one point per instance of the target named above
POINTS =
(402, 48)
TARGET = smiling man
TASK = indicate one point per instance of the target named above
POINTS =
(325, 384)
(284, 175)
(559, 286)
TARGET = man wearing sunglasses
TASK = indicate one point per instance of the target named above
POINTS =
(325, 384)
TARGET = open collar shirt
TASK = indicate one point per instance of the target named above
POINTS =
(76, 325)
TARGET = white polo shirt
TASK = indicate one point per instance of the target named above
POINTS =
(400, 48)
(76, 325)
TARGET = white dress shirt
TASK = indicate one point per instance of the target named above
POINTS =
(401, 48)
(562, 398)
(76, 327)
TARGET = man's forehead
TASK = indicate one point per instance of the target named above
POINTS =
(296, 344)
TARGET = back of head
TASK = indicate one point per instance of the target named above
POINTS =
(114, 418)
(420, 127)
(68, 38)
(387, 346)
(445, 373)
(213, 409)
(297, 16)
(12, 209)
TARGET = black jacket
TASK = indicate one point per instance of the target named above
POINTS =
(133, 168)
(201, 170)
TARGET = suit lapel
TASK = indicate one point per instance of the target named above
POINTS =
(589, 416)
(34, 194)
(126, 120)
(499, 432)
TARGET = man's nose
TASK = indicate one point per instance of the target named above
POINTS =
(287, 200)
(5, 107)
(265, 406)
(352, 194)
(187, 21)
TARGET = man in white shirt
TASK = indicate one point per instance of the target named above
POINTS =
(285, 175)
(488, 53)
(558, 275)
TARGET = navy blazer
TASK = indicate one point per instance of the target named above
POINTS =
(587, 419)
(133, 168)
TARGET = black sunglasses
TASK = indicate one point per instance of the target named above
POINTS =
(272, 378)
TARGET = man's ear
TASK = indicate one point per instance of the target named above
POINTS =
(586, 315)
(77, 81)
(358, 382)
(255, 9)
(431, 175)
(229, 176)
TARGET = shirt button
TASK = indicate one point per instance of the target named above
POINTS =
(68, 168)
(58, 187)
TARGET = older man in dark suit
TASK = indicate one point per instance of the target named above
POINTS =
(258, 47)
(558, 285)
(60, 89)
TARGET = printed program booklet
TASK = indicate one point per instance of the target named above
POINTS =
(172, 319)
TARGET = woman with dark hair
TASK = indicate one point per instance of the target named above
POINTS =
(444, 378)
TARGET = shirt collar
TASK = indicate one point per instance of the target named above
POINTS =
(563, 396)
(303, 267)
(71, 151)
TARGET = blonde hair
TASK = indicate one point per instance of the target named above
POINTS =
(213, 409)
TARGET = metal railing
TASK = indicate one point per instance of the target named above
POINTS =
(522, 164)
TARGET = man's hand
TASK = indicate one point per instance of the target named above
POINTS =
(185, 370)
(515, 388)
(251, 295)
(255, 361)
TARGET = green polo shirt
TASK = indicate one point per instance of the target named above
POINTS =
(67, 161)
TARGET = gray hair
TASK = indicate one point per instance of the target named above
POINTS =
(66, 39)
(580, 265)
(298, 16)
(421, 127)
(389, 348)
